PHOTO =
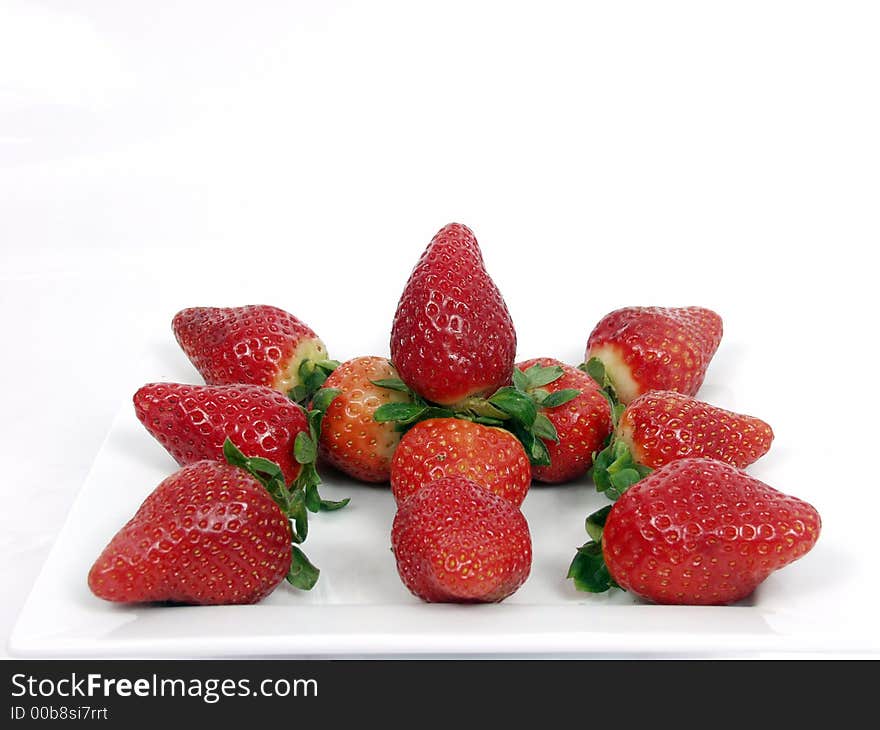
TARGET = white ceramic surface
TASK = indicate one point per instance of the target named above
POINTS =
(360, 608)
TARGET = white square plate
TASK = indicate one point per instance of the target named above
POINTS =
(820, 605)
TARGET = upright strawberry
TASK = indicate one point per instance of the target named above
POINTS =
(452, 336)
(582, 423)
(638, 349)
(455, 541)
(211, 533)
(662, 426)
(440, 447)
(695, 531)
(351, 440)
(193, 421)
(255, 344)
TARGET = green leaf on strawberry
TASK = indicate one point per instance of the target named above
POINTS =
(406, 415)
(595, 368)
(543, 428)
(513, 407)
(312, 374)
(559, 398)
(588, 569)
(392, 384)
(615, 470)
(302, 573)
(516, 404)
(304, 448)
(292, 503)
(306, 453)
(596, 521)
(403, 413)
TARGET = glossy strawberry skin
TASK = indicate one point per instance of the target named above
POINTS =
(582, 424)
(656, 348)
(350, 439)
(699, 532)
(439, 447)
(255, 344)
(208, 534)
(193, 421)
(454, 541)
(662, 426)
(452, 335)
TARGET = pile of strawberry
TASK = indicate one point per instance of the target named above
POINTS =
(460, 431)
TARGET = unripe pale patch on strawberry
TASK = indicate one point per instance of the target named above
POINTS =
(618, 370)
(655, 348)
(289, 376)
(256, 344)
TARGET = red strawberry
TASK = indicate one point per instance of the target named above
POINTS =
(193, 421)
(210, 533)
(256, 344)
(438, 447)
(653, 348)
(452, 336)
(351, 440)
(662, 426)
(454, 541)
(695, 531)
(582, 424)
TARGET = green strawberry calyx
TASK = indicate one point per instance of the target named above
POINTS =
(588, 569)
(305, 451)
(615, 469)
(517, 408)
(312, 375)
(302, 496)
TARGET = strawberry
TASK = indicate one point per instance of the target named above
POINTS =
(452, 336)
(582, 424)
(193, 421)
(211, 533)
(256, 344)
(351, 440)
(637, 349)
(662, 426)
(695, 531)
(438, 447)
(455, 541)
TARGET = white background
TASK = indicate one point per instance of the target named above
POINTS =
(161, 155)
